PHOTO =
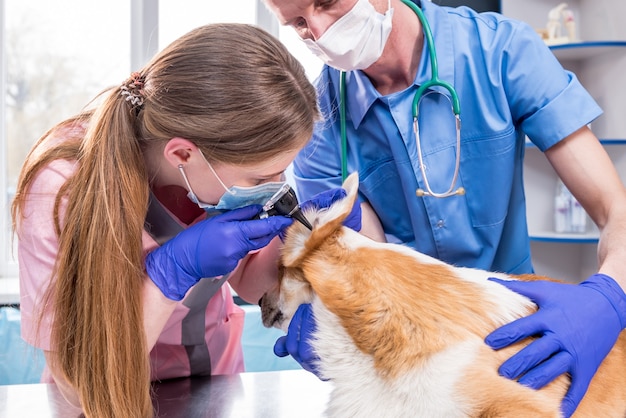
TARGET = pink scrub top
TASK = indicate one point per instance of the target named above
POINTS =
(201, 337)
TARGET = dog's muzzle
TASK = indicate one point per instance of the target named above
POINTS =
(270, 314)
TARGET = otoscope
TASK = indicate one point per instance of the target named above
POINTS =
(285, 203)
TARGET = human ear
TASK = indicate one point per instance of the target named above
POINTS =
(177, 151)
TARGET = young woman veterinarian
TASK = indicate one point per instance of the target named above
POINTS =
(131, 215)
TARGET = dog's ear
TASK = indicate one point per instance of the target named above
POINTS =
(326, 222)
(340, 209)
(330, 221)
(351, 186)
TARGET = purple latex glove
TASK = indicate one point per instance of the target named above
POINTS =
(326, 199)
(210, 248)
(577, 326)
(296, 342)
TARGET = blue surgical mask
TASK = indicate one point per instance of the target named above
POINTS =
(238, 197)
(234, 197)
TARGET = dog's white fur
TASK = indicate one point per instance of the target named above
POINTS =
(401, 334)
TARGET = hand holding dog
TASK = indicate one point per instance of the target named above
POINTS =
(296, 342)
(577, 325)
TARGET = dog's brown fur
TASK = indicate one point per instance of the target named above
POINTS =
(402, 311)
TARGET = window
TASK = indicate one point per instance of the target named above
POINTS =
(177, 17)
(312, 64)
(57, 56)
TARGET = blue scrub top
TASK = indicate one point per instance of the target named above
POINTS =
(509, 85)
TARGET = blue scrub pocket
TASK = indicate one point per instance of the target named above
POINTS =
(488, 168)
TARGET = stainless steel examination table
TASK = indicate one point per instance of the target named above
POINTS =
(289, 393)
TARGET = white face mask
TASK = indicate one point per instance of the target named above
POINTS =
(356, 40)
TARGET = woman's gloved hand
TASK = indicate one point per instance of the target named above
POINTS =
(326, 199)
(296, 342)
(210, 248)
(577, 326)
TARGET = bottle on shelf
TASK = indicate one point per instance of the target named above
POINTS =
(569, 215)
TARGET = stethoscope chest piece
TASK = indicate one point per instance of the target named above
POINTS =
(421, 192)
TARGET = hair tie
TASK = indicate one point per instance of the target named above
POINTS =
(132, 89)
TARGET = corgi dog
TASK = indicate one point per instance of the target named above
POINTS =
(401, 334)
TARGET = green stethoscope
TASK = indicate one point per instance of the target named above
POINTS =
(419, 94)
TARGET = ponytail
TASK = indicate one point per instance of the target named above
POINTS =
(98, 341)
(98, 334)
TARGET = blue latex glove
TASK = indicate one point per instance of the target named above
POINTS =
(577, 325)
(210, 248)
(296, 342)
(326, 199)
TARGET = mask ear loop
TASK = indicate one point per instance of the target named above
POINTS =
(215, 174)
(182, 172)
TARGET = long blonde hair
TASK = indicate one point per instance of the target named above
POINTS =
(233, 90)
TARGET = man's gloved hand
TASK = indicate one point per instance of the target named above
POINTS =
(210, 248)
(296, 342)
(326, 199)
(577, 326)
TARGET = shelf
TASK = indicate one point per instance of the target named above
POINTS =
(587, 238)
(598, 61)
(585, 50)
